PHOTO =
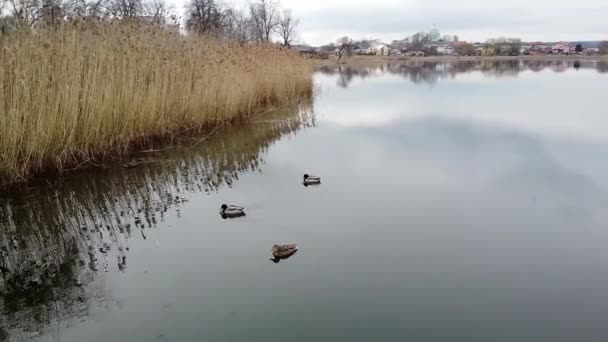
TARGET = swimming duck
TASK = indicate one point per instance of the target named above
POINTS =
(310, 180)
(283, 251)
(231, 211)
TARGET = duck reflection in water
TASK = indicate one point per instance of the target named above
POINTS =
(283, 252)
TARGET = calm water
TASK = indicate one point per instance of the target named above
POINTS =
(460, 202)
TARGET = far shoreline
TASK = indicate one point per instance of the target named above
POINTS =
(362, 60)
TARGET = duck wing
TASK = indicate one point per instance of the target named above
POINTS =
(284, 250)
(288, 247)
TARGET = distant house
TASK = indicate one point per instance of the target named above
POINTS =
(505, 50)
(561, 48)
(400, 44)
(591, 50)
(304, 50)
(445, 49)
(488, 51)
(378, 50)
(478, 49)
(539, 48)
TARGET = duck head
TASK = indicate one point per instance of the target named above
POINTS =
(224, 207)
(305, 175)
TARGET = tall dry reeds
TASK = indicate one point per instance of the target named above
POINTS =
(69, 95)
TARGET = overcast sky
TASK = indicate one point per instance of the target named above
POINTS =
(323, 21)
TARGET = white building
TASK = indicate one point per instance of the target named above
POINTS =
(562, 48)
(591, 50)
(378, 50)
(445, 49)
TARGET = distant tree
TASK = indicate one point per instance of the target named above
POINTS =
(455, 38)
(80, 9)
(160, 12)
(125, 9)
(344, 40)
(345, 47)
(419, 40)
(203, 16)
(363, 43)
(578, 48)
(286, 27)
(51, 13)
(24, 12)
(515, 45)
(604, 47)
(39, 13)
(328, 46)
(237, 26)
(264, 18)
(430, 51)
(505, 46)
(434, 34)
(464, 49)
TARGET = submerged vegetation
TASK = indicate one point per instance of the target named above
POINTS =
(69, 95)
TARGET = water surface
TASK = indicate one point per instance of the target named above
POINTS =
(460, 202)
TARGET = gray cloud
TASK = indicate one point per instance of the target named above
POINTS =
(323, 21)
(474, 20)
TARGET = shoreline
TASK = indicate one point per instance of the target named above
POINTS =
(398, 59)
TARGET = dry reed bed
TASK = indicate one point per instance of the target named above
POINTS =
(70, 95)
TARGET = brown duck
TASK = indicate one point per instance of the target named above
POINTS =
(283, 251)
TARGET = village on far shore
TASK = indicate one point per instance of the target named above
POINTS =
(432, 43)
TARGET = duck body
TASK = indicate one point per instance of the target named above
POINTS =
(284, 251)
(311, 180)
(231, 211)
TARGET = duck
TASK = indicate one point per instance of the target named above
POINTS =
(231, 211)
(280, 252)
(310, 180)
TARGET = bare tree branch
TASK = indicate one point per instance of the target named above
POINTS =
(125, 9)
(237, 26)
(286, 27)
(346, 47)
(84, 9)
(264, 19)
(160, 12)
(25, 12)
(203, 16)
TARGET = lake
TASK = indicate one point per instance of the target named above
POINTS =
(459, 202)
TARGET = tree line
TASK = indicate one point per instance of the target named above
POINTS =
(261, 21)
